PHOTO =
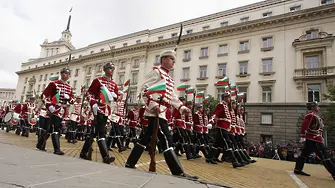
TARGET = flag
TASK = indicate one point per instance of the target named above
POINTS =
(226, 89)
(206, 99)
(105, 95)
(55, 99)
(182, 87)
(240, 96)
(224, 81)
(233, 93)
(233, 87)
(190, 90)
(200, 94)
(70, 10)
(127, 83)
(159, 88)
(54, 77)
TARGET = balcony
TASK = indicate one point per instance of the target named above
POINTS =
(320, 73)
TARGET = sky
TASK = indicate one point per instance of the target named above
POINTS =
(25, 24)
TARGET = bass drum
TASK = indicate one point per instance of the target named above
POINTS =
(8, 117)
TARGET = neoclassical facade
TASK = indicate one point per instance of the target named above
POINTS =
(6, 94)
(279, 52)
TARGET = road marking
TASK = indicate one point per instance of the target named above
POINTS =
(148, 163)
(297, 180)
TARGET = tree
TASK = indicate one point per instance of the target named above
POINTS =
(329, 115)
(211, 104)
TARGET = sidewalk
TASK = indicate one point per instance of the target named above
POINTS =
(21, 167)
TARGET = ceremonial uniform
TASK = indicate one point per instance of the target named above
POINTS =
(56, 96)
(18, 109)
(157, 75)
(198, 126)
(101, 106)
(43, 126)
(74, 121)
(133, 121)
(180, 134)
(143, 121)
(311, 130)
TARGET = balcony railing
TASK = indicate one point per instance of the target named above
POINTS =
(315, 72)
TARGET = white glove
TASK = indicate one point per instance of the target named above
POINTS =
(52, 109)
(302, 139)
(95, 108)
(66, 96)
(209, 126)
(170, 128)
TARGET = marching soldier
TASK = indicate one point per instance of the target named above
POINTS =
(28, 115)
(101, 93)
(44, 126)
(56, 96)
(223, 127)
(311, 131)
(143, 121)
(133, 119)
(198, 126)
(154, 108)
(74, 120)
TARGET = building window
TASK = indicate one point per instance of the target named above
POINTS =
(187, 55)
(295, 8)
(244, 45)
(138, 42)
(243, 89)
(134, 76)
(88, 82)
(204, 52)
(243, 67)
(326, 2)
(26, 80)
(267, 65)
(267, 14)
(76, 73)
(266, 119)
(222, 71)
(123, 65)
(43, 86)
(121, 79)
(173, 35)
(267, 42)
(223, 49)
(312, 61)
(41, 77)
(125, 44)
(45, 77)
(38, 88)
(136, 63)
(89, 70)
(314, 92)
(186, 73)
(203, 71)
(266, 139)
(171, 73)
(266, 94)
(157, 60)
(100, 68)
(224, 24)
(24, 89)
(190, 31)
(101, 50)
(132, 96)
(244, 19)
(74, 84)
(312, 34)
(221, 91)
(160, 38)
(205, 28)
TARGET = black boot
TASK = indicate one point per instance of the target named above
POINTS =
(135, 155)
(217, 155)
(299, 165)
(239, 158)
(87, 145)
(211, 155)
(56, 143)
(127, 143)
(330, 167)
(40, 139)
(177, 149)
(109, 143)
(245, 159)
(232, 158)
(104, 151)
(247, 155)
(187, 151)
(174, 165)
(204, 151)
(119, 145)
(196, 152)
(74, 137)
(113, 143)
(45, 142)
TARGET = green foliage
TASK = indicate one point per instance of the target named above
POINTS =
(211, 104)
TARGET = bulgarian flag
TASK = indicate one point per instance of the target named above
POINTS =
(233, 87)
(233, 93)
(105, 95)
(206, 99)
(159, 88)
(190, 90)
(240, 96)
(226, 89)
(224, 81)
(54, 77)
(200, 94)
(182, 87)
(55, 99)
(127, 83)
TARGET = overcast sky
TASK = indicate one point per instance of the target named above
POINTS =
(26, 23)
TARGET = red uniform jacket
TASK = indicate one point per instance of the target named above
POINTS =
(233, 122)
(18, 109)
(222, 114)
(94, 91)
(205, 128)
(143, 119)
(133, 118)
(179, 119)
(189, 122)
(168, 116)
(57, 90)
(198, 122)
(120, 111)
(312, 127)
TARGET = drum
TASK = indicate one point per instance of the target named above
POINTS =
(16, 116)
(114, 118)
(74, 117)
(8, 117)
(32, 121)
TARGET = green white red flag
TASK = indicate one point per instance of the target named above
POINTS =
(55, 99)
(200, 94)
(224, 81)
(190, 90)
(159, 88)
(182, 87)
(54, 77)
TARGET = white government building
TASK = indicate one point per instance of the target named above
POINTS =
(280, 52)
